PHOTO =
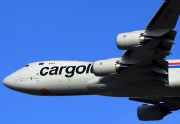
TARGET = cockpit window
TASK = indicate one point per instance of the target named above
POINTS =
(26, 65)
(42, 63)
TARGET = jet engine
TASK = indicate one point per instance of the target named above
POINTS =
(130, 40)
(106, 67)
(151, 112)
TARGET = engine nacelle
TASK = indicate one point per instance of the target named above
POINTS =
(130, 40)
(106, 67)
(150, 113)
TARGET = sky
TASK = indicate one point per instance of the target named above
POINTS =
(82, 30)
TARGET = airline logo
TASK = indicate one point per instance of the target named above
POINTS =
(69, 70)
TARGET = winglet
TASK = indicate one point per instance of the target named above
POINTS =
(166, 17)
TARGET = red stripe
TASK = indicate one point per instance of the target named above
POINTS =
(173, 63)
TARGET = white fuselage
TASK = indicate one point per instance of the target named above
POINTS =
(58, 78)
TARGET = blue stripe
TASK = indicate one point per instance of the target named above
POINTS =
(176, 66)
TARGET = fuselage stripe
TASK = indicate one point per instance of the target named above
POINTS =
(177, 66)
(174, 63)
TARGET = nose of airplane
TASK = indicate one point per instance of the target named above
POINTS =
(8, 82)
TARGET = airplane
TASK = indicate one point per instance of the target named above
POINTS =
(142, 74)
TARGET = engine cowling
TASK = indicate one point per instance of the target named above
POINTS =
(106, 67)
(150, 113)
(130, 40)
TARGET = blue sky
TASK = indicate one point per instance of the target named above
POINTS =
(37, 30)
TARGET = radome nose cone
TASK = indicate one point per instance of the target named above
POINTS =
(7, 82)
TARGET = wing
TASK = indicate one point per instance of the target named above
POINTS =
(144, 65)
(148, 61)
(166, 17)
(143, 60)
(160, 28)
